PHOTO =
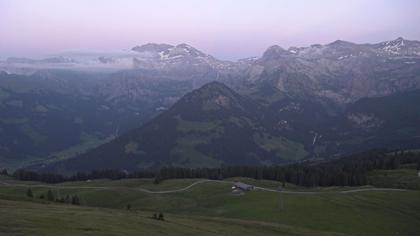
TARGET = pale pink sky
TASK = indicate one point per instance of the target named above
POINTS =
(227, 29)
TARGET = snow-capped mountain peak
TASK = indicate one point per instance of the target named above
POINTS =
(152, 47)
(190, 50)
(399, 47)
(393, 46)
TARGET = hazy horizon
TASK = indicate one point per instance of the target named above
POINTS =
(225, 29)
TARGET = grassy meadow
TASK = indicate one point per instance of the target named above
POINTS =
(208, 208)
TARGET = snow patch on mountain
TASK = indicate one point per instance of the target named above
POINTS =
(394, 46)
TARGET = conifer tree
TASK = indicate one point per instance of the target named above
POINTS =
(75, 200)
(29, 193)
(50, 195)
(161, 217)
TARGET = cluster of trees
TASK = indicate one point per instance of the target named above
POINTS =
(50, 196)
(349, 171)
(27, 175)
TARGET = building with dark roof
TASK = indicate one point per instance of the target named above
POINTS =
(242, 186)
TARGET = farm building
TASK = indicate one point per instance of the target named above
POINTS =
(242, 186)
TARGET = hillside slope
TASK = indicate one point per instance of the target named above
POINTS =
(214, 126)
(208, 127)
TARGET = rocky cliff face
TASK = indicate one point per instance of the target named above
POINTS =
(341, 71)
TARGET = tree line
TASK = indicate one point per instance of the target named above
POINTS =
(349, 171)
(28, 175)
(50, 196)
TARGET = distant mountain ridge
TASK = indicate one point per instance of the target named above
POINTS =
(340, 71)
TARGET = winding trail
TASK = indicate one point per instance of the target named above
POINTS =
(185, 188)
(197, 183)
(374, 189)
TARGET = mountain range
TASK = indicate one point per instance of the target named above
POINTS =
(156, 105)
(214, 126)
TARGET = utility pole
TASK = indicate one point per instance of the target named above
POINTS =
(280, 200)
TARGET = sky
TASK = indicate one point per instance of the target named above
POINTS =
(226, 29)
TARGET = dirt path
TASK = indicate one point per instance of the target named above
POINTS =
(186, 188)
(197, 183)
(374, 189)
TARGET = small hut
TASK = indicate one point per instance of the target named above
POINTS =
(242, 186)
